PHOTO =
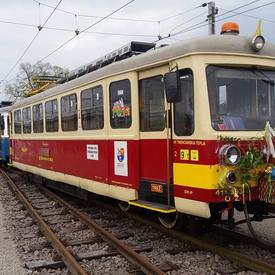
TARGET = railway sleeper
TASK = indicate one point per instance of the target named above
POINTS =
(58, 221)
(111, 252)
(57, 211)
(96, 239)
(165, 267)
(34, 265)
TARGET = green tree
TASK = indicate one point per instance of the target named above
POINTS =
(34, 78)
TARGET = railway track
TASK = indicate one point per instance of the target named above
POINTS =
(201, 244)
(41, 209)
(214, 245)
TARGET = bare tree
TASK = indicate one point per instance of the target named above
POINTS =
(29, 78)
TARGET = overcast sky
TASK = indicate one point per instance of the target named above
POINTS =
(88, 46)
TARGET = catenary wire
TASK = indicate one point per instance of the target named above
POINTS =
(29, 45)
(92, 25)
(184, 12)
(251, 16)
(124, 19)
(239, 7)
(200, 25)
(98, 17)
(73, 30)
(194, 27)
(188, 21)
(84, 30)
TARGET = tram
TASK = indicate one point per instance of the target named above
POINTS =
(184, 129)
(4, 128)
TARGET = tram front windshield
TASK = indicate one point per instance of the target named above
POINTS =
(241, 99)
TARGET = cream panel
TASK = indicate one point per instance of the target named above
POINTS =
(117, 192)
(192, 207)
(161, 70)
(133, 131)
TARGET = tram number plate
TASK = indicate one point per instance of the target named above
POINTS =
(157, 188)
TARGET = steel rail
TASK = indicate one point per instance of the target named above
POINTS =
(246, 261)
(126, 251)
(71, 263)
(242, 238)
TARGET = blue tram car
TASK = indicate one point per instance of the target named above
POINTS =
(4, 127)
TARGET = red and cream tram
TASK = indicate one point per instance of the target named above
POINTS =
(176, 129)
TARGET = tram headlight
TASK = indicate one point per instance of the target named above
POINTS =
(257, 43)
(229, 154)
(231, 177)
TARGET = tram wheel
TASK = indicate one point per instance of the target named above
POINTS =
(124, 206)
(169, 221)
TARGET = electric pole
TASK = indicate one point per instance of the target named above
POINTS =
(212, 11)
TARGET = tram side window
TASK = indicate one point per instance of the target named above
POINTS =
(92, 113)
(120, 104)
(51, 113)
(184, 110)
(151, 104)
(17, 122)
(38, 122)
(27, 126)
(69, 113)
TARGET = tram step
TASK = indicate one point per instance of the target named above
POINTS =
(163, 208)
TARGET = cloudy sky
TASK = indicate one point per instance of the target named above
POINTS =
(147, 20)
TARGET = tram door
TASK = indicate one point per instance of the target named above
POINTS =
(155, 139)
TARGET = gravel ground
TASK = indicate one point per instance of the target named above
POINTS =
(10, 263)
(184, 258)
(265, 229)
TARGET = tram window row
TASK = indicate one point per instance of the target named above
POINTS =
(151, 109)
(92, 111)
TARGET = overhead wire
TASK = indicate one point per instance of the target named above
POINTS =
(31, 42)
(103, 33)
(73, 30)
(239, 7)
(96, 16)
(87, 28)
(251, 9)
(188, 21)
(80, 32)
(170, 36)
(251, 16)
(184, 12)
(203, 24)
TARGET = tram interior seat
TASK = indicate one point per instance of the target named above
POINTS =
(233, 123)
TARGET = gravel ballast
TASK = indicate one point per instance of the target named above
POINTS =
(10, 263)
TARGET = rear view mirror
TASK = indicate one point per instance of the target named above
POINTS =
(172, 86)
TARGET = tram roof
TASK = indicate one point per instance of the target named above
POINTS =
(206, 44)
(5, 109)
